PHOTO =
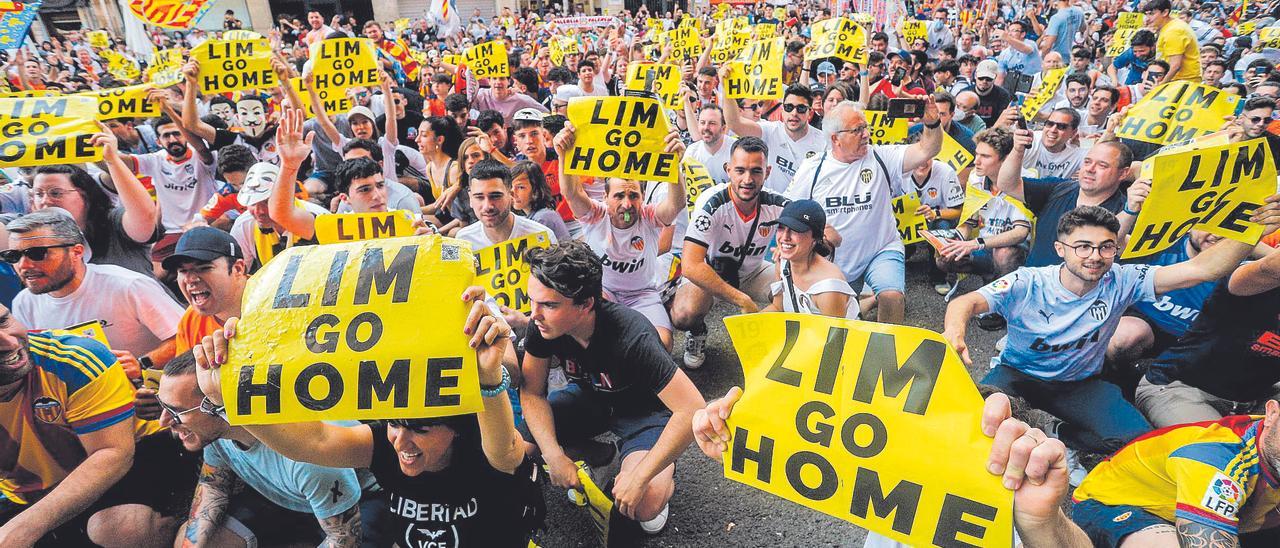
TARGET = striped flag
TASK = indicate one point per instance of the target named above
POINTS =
(172, 14)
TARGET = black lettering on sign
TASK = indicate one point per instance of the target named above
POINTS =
(321, 343)
(821, 431)
(1249, 163)
(902, 501)
(373, 272)
(951, 521)
(828, 483)
(763, 457)
(437, 380)
(306, 397)
(849, 435)
(285, 299)
(247, 390)
(778, 372)
(395, 386)
(829, 364)
(333, 282)
(880, 362)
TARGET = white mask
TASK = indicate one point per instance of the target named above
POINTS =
(960, 115)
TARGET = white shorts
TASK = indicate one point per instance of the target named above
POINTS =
(647, 302)
(757, 283)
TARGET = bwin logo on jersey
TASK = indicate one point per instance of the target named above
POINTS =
(1098, 310)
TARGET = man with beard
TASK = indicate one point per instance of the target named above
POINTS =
(624, 231)
(1076, 90)
(712, 147)
(73, 474)
(182, 175)
(490, 196)
(139, 316)
(992, 99)
(318, 30)
(788, 142)
(1061, 317)
(290, 501)
(1142, 50)
(66, 404)
(723, 255)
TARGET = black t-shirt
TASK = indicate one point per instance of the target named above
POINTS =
(412, 119)
(1232, 350)
(991, 105)
(470, 503)
(625, 361)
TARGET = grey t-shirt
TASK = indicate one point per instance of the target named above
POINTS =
(119, 249)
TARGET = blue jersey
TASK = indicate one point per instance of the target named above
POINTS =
(1055, 334)
(1176, 310)
(1013, 60)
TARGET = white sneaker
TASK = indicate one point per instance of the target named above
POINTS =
(942, 288)
(657, 524)
(1000, 344)
(694, 350)
(1075, 472)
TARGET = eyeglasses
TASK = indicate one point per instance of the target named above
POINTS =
(12, 256)
(1257, 119)
(55, 194)
(859, 130)
(788, 107)
(754, 106)
(206, 406)
(1106, 250)
(986, 79)
(1063, 126)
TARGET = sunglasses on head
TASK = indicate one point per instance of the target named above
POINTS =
(12, 256)
(788, 107)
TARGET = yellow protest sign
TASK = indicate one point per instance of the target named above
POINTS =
(723, 9)
(48, 130)
(759, 74)
(353, 227)
(911, 225)
(863, 18)
(685, 43)
(561, 46)
(451, 59)
(666, 81)
(832, 418)
(98, 38)
(1177, 111)
(913, 30)
(765, 31)
(1120, 41)
(697, 179)
(1049, 84)
(121, 66)
(728, 45)
(344, 63)
(488, 60)
(620, 137)
(334, 101)
(975, 198)
(126, 102)
(501, 270)
(1269, 37)
(331, 332)
(241, 34)
(838, 37)
(884, 130)
(1246, 27)
(779, 13)
(1130, 20)
(234, 65)
(92, 329)
(30, 93)
(400, 25)
(730, 26)
(954, 154)
(166, 67)
(1213, 188)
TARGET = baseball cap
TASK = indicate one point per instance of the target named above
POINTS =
(568, 91)
(258, 183)
(987, 69)
(826, 67)
(202, 244)
(528, 115)
(359, 110)
(804, 216)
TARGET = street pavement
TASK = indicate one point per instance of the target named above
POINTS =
(709, 510)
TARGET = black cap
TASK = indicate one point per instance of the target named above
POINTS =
(203, 244)
(804, 216)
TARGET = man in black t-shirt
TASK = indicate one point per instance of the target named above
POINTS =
(1228, 362)
(622, 380)
(992, 99)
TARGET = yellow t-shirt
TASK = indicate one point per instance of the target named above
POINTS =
(1176, 38)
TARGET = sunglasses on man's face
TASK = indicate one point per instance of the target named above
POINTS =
(788, 107)
(12, 256)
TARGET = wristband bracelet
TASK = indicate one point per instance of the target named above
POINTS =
(1129, 211)
(934, 125)
(502, 386)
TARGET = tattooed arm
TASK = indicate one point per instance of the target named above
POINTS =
(342, 530)
(1195, 535)
(209, 506)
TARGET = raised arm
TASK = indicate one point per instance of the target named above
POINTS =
(930, 143)
(190, 114)
(1256, 277)
(570, 185)
(141, 214)
(1009, 180)
(1219, 260)
(670, 208)
(389, 105)
(317, 109)
(293, 149)
(739, 125)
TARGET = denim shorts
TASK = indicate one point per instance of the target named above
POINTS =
(886, 272)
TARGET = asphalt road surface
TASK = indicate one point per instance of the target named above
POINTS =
(709, 510)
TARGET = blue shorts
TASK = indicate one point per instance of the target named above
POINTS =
(886, 272)
(581, 414)
(1108, 525)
